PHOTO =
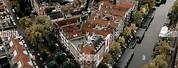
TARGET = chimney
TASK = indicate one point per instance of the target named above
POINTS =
(114, 2)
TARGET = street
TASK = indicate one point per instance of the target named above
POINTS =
(143, 51)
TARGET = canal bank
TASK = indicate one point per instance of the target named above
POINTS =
(143, 51)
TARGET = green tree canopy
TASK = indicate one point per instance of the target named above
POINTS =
(127, 31)
(175, 6)
(60, 58)
(115, 48)
(174, 13)
(26, 22)
(121, 41)
(151, 3)
(38, 30)
(137, 18)
(68, 64)
(52, 64)
(102, 65)
(150, 65)
(164, 47)
(158, 62)
(107, 59)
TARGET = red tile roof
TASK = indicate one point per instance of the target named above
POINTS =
(87, 49)
(23, 58)
(68, 21)
(115, 12)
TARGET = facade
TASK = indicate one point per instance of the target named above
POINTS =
(44, 7)
(89, 39)
(88, 34)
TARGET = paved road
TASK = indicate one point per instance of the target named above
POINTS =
(143, 51)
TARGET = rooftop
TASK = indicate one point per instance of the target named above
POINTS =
(63, 6)
(22, 58)
(101, 22)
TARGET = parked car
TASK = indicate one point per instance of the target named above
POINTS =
(146, 22)
(140, 34)
(125, 59)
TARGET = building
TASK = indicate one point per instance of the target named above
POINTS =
(20, 54)
(2, 6)
(89, 35)
(4, 63)
(57, 9)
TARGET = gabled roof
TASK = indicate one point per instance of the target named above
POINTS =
(101, 22)
(20, 54)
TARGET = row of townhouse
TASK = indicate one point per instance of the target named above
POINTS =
(20, 55)
(89, 40)
(88, 35)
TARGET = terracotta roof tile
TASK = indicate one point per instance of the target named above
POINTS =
(23, 58)
(87, 49)
(69, 21)
(98, 18)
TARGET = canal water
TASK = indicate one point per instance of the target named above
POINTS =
(143, 51)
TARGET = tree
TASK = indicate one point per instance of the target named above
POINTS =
(121, 41)
(26, 22)
(144, 8)
(133, 26)
(39, 29)
(137, 18)
(102, 65)
(150, 3)
(164, 48)
(22, 7)
(34, 33)
(52, 64)
(174, 13)
(160, 61)
(12, 3)
(173, 18)
(175, 6)
(115, 49)
(127, 31)
(150, 65)
(60, 58)
(107, 58)
(68, 64)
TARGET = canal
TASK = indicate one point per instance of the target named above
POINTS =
(143, 51)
